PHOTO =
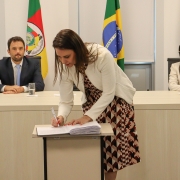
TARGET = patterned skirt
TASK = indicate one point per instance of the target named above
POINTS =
(122, 149)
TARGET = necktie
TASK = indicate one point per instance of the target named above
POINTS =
(18, 66)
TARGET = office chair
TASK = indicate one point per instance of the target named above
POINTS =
(38, 58)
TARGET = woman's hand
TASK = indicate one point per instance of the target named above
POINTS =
(82, 120)
(59, 122)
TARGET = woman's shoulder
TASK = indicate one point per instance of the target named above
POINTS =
(177, 64)
(96, 46)
(104, 55)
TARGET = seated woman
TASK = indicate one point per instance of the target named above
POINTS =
(174, 77)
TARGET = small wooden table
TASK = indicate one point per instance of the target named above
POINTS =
(74, 156)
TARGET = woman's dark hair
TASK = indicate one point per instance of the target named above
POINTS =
(68, 39)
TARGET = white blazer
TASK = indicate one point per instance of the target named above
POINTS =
(174, 77)
(105, 75)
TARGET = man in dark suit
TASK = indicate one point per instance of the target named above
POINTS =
(30, 70)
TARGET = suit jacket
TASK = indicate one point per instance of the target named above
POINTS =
(174, 77)
(105, 75)
(30, 73)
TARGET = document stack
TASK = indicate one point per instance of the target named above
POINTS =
(88, 128)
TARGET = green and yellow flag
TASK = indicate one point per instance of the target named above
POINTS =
(112, 31)
(35, 40)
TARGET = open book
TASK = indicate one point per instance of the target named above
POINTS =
(88, 128)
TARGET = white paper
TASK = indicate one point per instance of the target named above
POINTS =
(52, 130)
(88, 128)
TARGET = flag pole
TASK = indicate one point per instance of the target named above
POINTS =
(78, 19)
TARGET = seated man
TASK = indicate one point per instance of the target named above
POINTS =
(14, 79)
(174, 77)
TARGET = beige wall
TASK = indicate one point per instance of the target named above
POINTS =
(63, 14)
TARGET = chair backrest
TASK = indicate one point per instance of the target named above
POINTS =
(170, 62)
(29, 57)
(37, 58)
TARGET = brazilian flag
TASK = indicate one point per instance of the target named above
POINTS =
(112, 31)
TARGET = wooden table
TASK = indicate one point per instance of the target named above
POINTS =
(21, 157)
(74, 156)
(157, 115)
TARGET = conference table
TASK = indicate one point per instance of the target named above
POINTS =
(73, 156)
(157, 116)
(21, 156)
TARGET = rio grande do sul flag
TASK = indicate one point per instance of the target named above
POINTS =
(35, 40)
(112, 31)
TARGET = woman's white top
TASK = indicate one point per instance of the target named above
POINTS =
(105, 75)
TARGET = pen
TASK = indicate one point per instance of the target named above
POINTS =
(52, 110)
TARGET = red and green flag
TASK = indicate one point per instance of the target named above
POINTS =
(112, 31)
(35, 40)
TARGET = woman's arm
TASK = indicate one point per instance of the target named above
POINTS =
(66, 95)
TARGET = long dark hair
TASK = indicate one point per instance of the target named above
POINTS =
(68, 39)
